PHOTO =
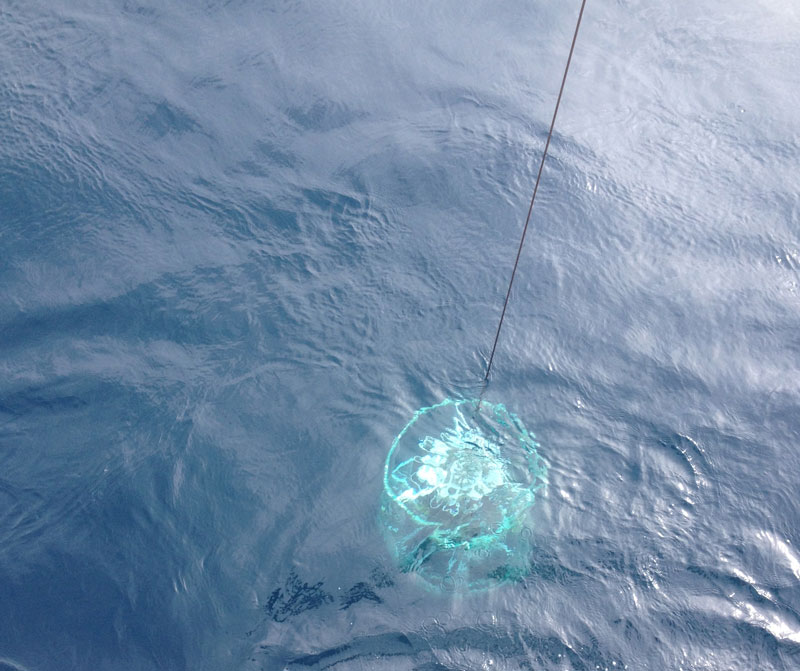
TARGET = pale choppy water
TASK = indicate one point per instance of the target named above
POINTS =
(240, 243)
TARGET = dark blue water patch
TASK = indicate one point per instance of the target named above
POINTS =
(296, 596)
(166, 119)
(84, 613)
(43, 195)
(361, 591)
(446, 650)
(98, 538)
(323, 115)
(268, 157)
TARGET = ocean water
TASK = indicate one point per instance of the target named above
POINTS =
(242, 242)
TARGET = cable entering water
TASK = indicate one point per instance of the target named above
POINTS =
(533, 198)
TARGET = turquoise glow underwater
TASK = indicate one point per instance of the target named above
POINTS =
(460, 481)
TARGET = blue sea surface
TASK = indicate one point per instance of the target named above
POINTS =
(242, 242)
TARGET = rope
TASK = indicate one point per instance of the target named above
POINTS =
(533, 197)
